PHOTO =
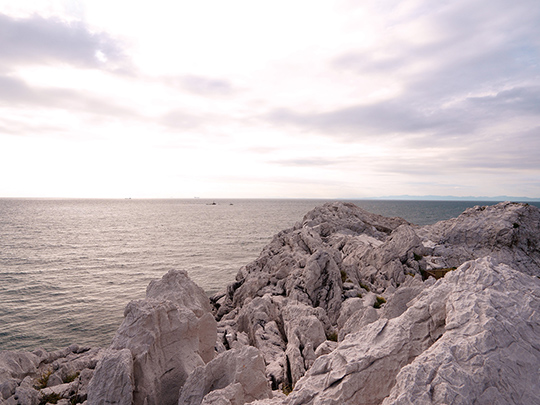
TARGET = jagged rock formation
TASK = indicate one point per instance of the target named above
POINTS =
(237, 375)
(169, 334)
(343, 307)
(341, 259)
(31, 378)
(470, 337)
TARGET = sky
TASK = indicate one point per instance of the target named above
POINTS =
(269, 99)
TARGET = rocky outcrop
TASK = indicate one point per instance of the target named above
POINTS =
(359, 271)
(169, 334)
(113, 383)
(343, 308)
(33, 378)
(508, 232)
(470, 338)
(237, 376)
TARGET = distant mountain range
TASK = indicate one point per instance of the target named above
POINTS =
(454, 198)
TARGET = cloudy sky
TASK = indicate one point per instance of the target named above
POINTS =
(248, 98)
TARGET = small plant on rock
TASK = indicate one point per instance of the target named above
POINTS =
(364, 286)
(70, 377)
(378, 302)
(287, 389)
(343, 276)
(332, 336)
(42, 381)
(52, 398)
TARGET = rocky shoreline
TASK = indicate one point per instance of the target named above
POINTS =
(343, 308)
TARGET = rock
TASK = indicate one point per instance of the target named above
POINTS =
(7, 388)
(261, 321)
(507, 231)
(304, 332)
(66, 390)
(234, 377)
(340, 252)
(169, 334)
(17, 365)
(112, 382)
(175, 286)
(25, 394)
(448, 347)
(230, 395)
(164, 342)
(325, 347)
(84, 381)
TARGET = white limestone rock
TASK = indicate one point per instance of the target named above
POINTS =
(112, 382)
(261, 321)
(7, 388)
(177, 287)
(17, 364)
(234, 377)
(506, 231)
(305, 332)
(169, 334)
(448, 347)
(164, 342)
(490, 351)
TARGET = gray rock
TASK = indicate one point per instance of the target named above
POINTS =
(305, 332)
(17, 365)
(112, 382)
(25, 394)
(236, 376)
(506, 231)
(7, 388)
(175, 286)
(448, 347)
(169, 334)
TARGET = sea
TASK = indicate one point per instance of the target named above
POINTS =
(68, 267)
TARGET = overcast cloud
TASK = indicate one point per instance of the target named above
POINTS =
(337, 99)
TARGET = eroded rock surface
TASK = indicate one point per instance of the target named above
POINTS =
(470, 338)
(347, 263)
(31, 378)
(169, 334)
(235, 377)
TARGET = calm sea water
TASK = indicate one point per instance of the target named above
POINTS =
(69, 267)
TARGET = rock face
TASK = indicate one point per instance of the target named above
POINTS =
(169, 334)
(113, 383)
(450, 346)
(33, 378)
(237, 376)
(345, 264)
(343, 308)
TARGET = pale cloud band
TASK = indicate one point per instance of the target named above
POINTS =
(348, 99)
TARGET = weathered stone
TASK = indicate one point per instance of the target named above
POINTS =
(7, 388)
(112, 382)
(238, 375)
(164, 342)
(304, 332)
(175, 286)
(17, 365)
(448, 347)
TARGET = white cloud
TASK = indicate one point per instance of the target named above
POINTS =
(270, 99)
